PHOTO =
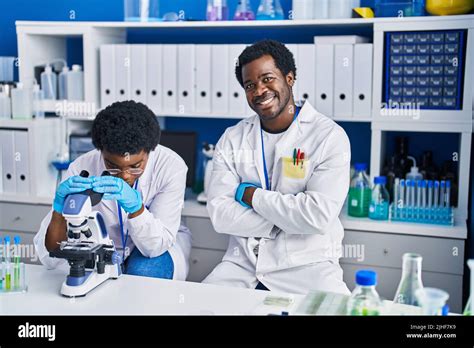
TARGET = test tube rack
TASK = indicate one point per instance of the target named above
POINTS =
(12, 278)
(426, 215)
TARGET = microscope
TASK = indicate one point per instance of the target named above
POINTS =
(90, 252)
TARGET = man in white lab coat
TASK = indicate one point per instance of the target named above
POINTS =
(279, 182)
(142, 200)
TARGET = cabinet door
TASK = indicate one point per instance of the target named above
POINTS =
(386, 250)
(22, 217)
(389, 278)
(204, 235)
(202, 262)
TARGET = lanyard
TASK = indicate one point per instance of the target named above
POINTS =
(124, 237)
(265, 172)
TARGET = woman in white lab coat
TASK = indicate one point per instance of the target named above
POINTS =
(142, 200)
(279, 182)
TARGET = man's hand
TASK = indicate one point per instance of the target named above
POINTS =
(73, 184)
(244, 194)
(115, 188)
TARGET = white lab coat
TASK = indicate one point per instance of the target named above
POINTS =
(296, 224)
(158, 228)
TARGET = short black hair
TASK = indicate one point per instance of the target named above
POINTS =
(282, 56)
(126, 127)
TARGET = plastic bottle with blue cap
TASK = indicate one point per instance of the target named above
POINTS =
(364, 299)
(379, 205)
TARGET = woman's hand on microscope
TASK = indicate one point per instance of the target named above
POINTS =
(116, 188)
(73, 184)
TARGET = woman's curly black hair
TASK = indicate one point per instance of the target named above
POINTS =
(126, 127)
(282, 56)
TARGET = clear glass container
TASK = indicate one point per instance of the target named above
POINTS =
(141, 10)
(431, 300)
(270, 10)
(244, 11)
(410, 281)
(379, 204)
(217, 10)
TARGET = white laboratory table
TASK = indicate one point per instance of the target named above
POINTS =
(133, 295)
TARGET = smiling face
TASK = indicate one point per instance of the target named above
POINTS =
(268, 91)
(126, 162)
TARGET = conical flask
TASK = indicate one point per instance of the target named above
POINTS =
(244, 11)
(270, 9)
(411, 280)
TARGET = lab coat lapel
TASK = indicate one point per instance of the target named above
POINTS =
(255, 142)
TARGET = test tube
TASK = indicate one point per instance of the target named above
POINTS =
(436, 194)
(402, 197)
(418, 193)
(396, 188)
(16, 260)
(424, 183)
(22, 276)
(430, 193)
(412, 194)
(448, 194)
(8, 278)
(442, 189)
(1, 264)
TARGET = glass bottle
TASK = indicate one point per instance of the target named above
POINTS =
(217, 10)
(359, 192)
(270, 10)
(411, 280)
(364, 299)
(244, 11)
(378, 208)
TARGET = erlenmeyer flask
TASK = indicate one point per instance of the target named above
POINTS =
(244, 11)
(270, 9)
(411, 280)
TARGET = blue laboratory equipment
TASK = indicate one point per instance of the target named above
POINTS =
(270, 10)
(379, 204)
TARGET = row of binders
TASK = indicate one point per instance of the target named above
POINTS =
(14, 161)
(174, 79)
(200, 79)
(336, 78)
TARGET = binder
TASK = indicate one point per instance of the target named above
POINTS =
(122, 72)
(138, 73)
(343, 79)
(107, 75)
(293, 48)
(220, 79)
(203, 78)
(306, 73)
(324, 80)
(8, 163)
(154, 63)
(186, 79)
(362, 80)
(21, 158)
(170, 78)
(237, 98)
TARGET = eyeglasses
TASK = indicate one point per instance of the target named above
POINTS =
(131, 171)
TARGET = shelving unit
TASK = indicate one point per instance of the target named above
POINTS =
(41, 41)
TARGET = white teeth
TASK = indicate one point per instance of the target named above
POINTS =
(266, 102)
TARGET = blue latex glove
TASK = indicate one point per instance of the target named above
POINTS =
(239, 193)
(115, 188)
(73, 184)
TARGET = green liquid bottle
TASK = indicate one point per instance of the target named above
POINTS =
(360, 193)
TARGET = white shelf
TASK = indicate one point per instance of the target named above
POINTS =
(242, 24)
(459, 231)
(15, 198)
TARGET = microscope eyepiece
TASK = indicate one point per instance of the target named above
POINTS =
(84, 173)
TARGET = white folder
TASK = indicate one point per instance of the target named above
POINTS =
(362, 80)
(305, 69)
(21, 158)
(203, 78)
(237, 98)
(154, 78)
(170, 78)
(324, 79)
(220, 79)
(107, 75)
(138, 73)
(7, 146)
(122, 72)
(186, 79)
(293, 48)
(343, 77)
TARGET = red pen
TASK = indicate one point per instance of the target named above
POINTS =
(302, 158)
(298, 156)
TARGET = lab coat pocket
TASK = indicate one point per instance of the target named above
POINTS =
(292, 170)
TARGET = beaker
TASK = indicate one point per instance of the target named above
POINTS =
(431, 300)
